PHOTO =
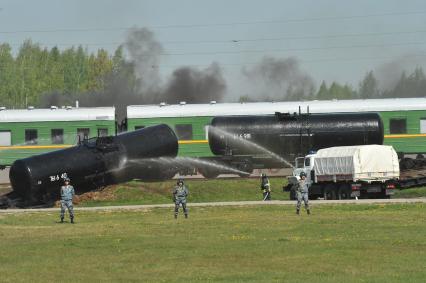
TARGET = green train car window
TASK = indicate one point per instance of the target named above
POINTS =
(5, 138)
(57, 136)
(102, 132)
(184, 131)
(31, 136)
(398, 126)
(83, 133)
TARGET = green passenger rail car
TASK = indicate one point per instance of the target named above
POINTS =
(404, 119)
(32, 131)
(27, 132)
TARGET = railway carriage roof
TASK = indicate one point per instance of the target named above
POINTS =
(60, 114)
(264, 108)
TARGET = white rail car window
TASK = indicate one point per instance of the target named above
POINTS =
(5, 138)
(423, 126)
(206, 130)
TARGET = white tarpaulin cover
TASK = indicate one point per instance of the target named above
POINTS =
(364, 162)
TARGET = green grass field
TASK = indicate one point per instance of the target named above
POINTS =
(338, 243)
(411, 193)
(136, 192)
(200, 191)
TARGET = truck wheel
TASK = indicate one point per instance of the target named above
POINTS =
(344, 192)
(329, 192)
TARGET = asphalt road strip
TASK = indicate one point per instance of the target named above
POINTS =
(211, 204)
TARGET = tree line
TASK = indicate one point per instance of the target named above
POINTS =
(36, 76)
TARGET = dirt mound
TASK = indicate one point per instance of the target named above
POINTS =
(104, 194)
(107, 193)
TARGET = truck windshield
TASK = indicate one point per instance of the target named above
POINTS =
(299, 162)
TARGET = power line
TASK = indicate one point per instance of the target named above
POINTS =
(290, 49)
(234, 41)
(199, 25)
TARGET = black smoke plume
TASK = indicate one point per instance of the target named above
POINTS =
(185, 84)
(144, 54)
(135, 79)
(278, 79)
(195, 86)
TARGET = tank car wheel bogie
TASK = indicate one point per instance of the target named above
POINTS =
(208, 173)
(407, 163)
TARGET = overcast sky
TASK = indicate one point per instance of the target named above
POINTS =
(333, 40)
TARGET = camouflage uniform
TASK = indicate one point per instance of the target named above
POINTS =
(180, 193)
(67, 193)
(302, 193)
(265, 186)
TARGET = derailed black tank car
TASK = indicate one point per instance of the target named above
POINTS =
(94, 163)
(289, 135)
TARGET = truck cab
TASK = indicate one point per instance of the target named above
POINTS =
(303, 164)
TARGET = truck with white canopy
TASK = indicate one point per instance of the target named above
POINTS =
(350, 171)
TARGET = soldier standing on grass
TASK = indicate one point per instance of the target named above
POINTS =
(180, 193)
(265, 186)
(302, 193)
(67, 193)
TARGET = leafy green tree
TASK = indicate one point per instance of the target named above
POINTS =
(323, 92)
(368, 88)
(54, 71)
(99, 66)
(338, 91)
(7, 76)
(412, 85)
(245, 98)
(28, 84)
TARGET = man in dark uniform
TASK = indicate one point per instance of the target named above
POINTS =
(67, 193)
(265, 187)
(302, 193)
(180, 193)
